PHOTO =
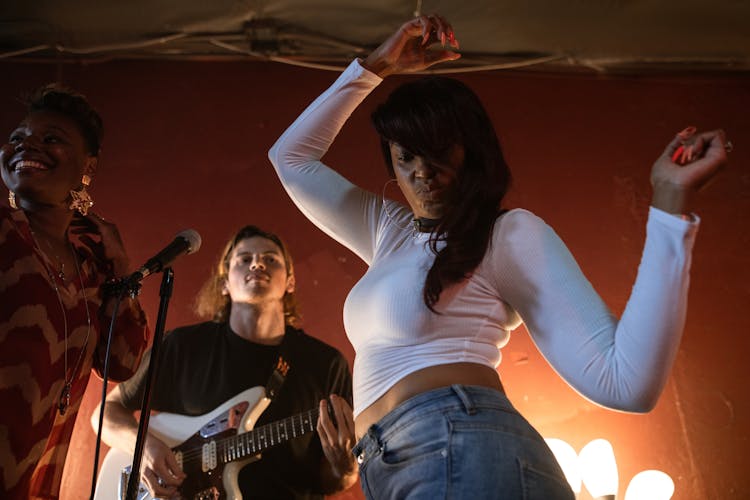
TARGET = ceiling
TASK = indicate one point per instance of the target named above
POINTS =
(615, 36)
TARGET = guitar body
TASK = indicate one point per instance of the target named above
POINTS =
(193, 440)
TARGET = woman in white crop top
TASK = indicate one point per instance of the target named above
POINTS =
(451, 275)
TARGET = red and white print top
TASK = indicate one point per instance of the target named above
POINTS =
(34, 437)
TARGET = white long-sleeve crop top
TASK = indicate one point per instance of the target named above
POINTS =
(526, 275)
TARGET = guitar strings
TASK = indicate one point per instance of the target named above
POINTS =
(196, 453)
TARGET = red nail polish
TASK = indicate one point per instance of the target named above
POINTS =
(676, 155)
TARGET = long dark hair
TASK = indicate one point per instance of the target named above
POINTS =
(212, 303)
(429, 117)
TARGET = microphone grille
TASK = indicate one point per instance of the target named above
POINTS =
(193, 239)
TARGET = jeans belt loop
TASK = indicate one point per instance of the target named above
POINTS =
(463, 395)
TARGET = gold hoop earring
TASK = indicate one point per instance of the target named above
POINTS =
(385, 205)
(81, 199)
(385, 186)
(12, 199)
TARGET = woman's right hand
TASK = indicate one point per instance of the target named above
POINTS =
(410, 49)
(161, 472)
(674, 181)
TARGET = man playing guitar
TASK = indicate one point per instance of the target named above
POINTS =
(250, 300)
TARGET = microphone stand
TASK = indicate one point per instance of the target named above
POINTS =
(165, 292)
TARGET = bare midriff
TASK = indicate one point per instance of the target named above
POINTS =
(426, 379)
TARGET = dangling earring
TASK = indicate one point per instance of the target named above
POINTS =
(385, 186)
(12, 199)
(81, 198)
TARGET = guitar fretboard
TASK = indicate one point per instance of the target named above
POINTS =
(266, 436)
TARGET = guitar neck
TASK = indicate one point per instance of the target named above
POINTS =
(262, 438)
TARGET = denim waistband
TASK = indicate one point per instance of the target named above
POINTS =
(470, 397)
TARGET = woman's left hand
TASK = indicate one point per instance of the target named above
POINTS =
(110, 248)
(673, 183)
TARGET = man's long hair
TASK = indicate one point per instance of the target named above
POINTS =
(212, 303)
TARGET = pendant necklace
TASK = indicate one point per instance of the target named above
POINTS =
(64, 401)
(60, 263)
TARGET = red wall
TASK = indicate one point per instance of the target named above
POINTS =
(185, 147)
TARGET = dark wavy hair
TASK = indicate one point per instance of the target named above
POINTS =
(212, 303)
(58, 98)
(429, 117)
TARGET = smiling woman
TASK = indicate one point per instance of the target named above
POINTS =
(54, 256)
(52, 149)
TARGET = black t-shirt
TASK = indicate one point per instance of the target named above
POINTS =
(205, 365)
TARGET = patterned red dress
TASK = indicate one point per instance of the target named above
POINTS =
(34, 436)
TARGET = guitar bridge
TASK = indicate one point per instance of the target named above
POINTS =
(122, 489)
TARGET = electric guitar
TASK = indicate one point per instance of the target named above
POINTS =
(211, 448)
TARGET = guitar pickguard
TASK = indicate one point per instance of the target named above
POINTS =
(231, 419)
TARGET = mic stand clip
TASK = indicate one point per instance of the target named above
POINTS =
(118, 287)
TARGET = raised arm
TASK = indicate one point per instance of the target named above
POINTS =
(338, 207)
(622, 364)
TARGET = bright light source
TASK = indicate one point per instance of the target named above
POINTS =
(568, 459)
(650, 485)
(598, 468)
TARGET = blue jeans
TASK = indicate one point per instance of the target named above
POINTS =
(458, 442)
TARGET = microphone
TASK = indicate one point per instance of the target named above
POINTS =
(186, 242)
